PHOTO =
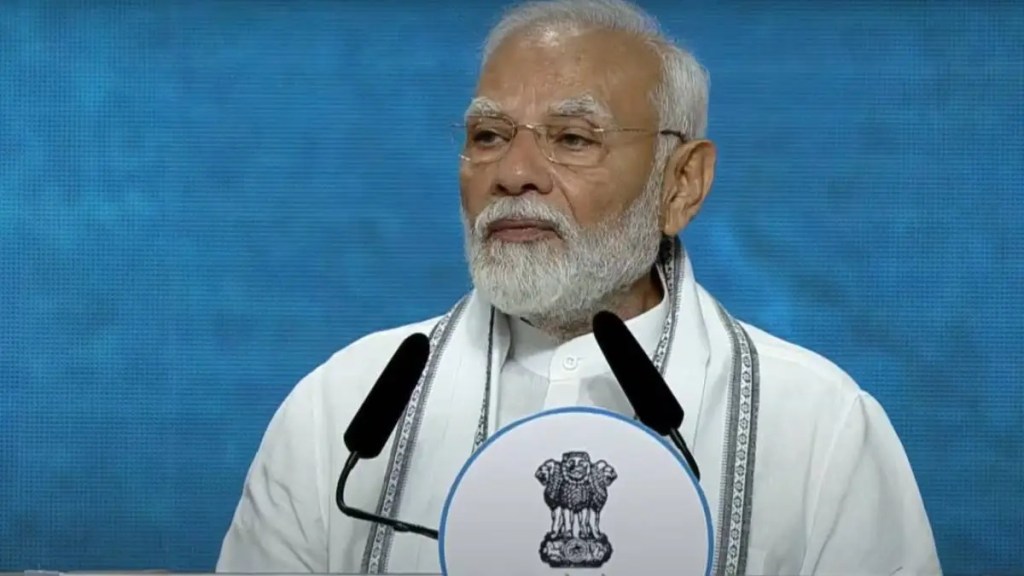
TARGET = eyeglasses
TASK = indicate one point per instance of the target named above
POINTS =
(570, 142)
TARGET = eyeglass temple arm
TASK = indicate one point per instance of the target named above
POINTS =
(396, 525)
(682, 137)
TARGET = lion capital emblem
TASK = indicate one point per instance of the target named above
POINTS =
(575, 490)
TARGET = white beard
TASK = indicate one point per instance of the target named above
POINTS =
(564, 283)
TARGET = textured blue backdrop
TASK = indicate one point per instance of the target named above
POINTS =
(200, 201)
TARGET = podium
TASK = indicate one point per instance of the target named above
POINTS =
(581, 489)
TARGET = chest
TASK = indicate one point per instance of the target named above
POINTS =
(522, 391)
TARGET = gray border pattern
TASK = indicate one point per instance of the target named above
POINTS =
(672, 269)
(737, 489)
(378, 545)
(737, 483)
(485, 410)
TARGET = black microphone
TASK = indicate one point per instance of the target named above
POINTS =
(376, 419)
(652, 400)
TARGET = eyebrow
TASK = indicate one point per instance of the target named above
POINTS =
(483, 106)
(577, 107)
(580, 106)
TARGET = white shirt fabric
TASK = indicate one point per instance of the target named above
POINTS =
(541, 374)
(833, 491)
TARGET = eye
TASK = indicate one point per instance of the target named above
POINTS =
(486, 138)
(575, 140)
(489, 133)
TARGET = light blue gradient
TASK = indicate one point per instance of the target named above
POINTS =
(202, 200)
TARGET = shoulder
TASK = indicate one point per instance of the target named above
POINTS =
(808, 400)
(828, 448)
(793, 361)
(355, 367)
(382, 343)
(332, 391)
(804, 395)
(797, 379)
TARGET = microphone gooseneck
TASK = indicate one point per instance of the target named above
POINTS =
(376, 419)
(677, 439)
(651, 398)
(396, 525)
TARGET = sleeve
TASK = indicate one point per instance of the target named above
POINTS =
(869, 517)
(278, 525)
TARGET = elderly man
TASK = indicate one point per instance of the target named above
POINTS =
(584, 157)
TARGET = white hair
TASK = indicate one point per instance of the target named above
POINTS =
(681, 97)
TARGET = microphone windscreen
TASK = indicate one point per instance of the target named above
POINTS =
(652, 400)
(376, 419)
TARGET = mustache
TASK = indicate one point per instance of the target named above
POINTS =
(523, 208)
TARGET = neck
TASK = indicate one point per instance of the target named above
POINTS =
(630, 302)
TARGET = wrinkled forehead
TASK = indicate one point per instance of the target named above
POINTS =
(604, 76)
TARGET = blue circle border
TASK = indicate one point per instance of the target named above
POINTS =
(577, 410)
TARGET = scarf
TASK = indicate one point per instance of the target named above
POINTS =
(451, 414)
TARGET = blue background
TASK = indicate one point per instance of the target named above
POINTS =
(202, 200)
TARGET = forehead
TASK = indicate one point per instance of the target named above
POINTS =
(534, 74)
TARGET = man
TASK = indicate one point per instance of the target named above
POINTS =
(585, 156)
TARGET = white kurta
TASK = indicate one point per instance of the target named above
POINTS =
(833, 492)
(540, 374)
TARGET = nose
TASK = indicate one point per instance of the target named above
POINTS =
(523, 168)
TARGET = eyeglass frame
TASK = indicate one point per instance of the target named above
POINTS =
(537, 128)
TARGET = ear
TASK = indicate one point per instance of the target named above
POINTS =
(688, 176)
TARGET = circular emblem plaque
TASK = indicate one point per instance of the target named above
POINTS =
(576, 488)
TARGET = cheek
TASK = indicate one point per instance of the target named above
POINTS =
(591, 195)
(474, 191)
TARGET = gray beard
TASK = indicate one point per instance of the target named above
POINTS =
(559, 286)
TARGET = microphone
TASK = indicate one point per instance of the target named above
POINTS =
(652, 400)
(376, 419)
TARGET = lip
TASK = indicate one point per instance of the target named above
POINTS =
(525, 230)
